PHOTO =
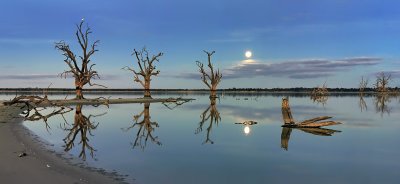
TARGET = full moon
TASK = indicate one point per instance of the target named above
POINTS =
(248, 54)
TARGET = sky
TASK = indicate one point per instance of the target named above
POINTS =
(294, 43)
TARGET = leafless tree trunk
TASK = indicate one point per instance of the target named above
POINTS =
(147, 69)
(84, 73)
(286, 112)
(213, 78)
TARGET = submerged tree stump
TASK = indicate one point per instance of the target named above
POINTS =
(309, 123)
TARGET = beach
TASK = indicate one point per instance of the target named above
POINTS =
(25, 159)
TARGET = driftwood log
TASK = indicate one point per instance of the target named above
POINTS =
(45, 102)
(309, 123)
(311, 126)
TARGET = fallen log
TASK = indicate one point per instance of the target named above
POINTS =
(309, 123)
(97, 101)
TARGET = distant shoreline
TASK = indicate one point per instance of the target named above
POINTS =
(229, 90)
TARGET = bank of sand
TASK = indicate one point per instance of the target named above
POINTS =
(40, 165)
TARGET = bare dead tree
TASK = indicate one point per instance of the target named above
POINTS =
(363, 84)
(147, 69)
(210, 114)
(382, 82)
(320, 91)
(84, 126)
(211, 79)
(79, 66)
(145, 128)
(320, 94)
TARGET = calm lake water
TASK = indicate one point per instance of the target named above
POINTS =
(156, 144)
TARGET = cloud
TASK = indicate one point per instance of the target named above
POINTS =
(29, 76)
(22, 41)
(301, 69)
(108, 77)
(297, 69)
(49, 76)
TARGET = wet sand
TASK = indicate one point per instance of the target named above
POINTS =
(39, 165)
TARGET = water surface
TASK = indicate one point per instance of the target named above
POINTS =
(199, 142)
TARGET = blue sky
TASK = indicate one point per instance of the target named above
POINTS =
(294, 43)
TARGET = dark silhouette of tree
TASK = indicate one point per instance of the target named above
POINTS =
(147, 69)
(211, 79)
(80, 66)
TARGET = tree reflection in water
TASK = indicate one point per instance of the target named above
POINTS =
(381, 103)
(320, 99)
(212, 115)
(362, 104)
(83, 125)
(37, 114)
(145, 128)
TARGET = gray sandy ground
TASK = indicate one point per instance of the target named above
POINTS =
(40, 165)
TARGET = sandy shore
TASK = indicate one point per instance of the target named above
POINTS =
(39, 165)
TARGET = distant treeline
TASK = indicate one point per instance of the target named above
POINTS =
(298, 89)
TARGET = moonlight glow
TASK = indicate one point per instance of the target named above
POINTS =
(246, 130)
(248, 54)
